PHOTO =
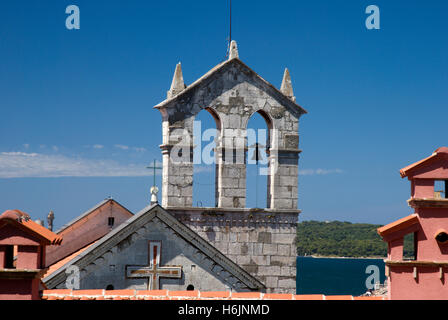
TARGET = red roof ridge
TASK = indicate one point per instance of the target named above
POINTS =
(23, 219)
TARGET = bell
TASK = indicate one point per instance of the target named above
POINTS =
(257, 155)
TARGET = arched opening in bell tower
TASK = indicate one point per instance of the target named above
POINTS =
(206, 131)
(258, 141)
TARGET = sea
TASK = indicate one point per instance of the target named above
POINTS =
(338, 276)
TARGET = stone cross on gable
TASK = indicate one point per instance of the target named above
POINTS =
(154, 271)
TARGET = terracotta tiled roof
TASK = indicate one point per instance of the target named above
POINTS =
(398, 225)
(60, 263)
(23, 220)
(184, 295)
(406, 170)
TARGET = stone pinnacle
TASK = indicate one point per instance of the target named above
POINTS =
(286, 87)
(177, 85)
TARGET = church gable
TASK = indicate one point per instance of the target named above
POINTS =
(231, 79)
(149, 252)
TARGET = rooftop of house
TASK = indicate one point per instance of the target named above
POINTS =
(398, 225)
(23, 221)
(407, 171)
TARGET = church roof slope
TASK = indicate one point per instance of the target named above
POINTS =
(57, 265)
(127, 228)
(88, 212)
(209, 76)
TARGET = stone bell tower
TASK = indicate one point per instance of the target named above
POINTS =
(261, 240)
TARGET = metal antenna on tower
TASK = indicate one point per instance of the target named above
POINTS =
(230, 24)
(230, 29)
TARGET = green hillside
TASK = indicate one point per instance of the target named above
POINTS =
(342, 239)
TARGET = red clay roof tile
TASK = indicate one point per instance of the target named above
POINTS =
(278, 296)
(398, 225)
(246, 295)
(126, 292)
(181, 295)
(215, 294)
(343, 297)
(95, 292)
(309, 297)
(369, 298)
(157, 293)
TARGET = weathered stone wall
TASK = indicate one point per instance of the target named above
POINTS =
(262, 243)
(109, 268)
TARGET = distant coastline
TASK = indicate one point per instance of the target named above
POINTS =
(336, 257)
(338, 239)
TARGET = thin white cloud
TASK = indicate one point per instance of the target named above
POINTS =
(122, 147)
(312, 172)
(27, 165)
(24, 154)
(97, 146)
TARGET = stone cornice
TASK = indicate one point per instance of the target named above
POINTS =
(21, 273)
(206, 210)
(416, 263)
(428, 203)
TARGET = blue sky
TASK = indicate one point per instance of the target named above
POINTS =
(76, 117)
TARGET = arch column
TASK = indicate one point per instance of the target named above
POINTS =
(231, 169)
(177, 175)
(283, 179)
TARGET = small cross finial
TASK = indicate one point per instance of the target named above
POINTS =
(154, 189)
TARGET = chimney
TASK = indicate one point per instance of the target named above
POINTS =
(50, 219)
